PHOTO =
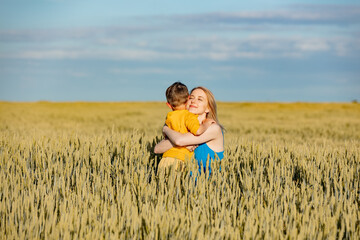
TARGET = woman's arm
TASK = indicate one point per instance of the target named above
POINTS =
(180, 139)
(163, 146)
(166, 144)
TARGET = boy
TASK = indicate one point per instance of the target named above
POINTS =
(180, 120)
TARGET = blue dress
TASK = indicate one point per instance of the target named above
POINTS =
(203, 153)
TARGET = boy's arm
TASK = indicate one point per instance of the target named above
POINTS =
(201, 130)
(193, 125)
(206, 123)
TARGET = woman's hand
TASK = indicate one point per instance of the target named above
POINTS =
(191, 148)
(163, 146)
(165, 128)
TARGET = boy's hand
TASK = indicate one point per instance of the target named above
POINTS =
(204, 126)
(208, 122)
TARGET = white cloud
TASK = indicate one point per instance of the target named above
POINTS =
(46, 54)
(214, 48)
(140, 70)
(296, 15)
(78, 74)
(312, 45)
(209, 36)
(109, 41)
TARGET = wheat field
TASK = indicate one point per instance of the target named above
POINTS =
(87, 171)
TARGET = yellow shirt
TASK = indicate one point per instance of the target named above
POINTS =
(181, 121)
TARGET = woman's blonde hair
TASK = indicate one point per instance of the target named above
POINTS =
(212, 114)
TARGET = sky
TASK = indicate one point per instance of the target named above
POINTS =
(114, 50)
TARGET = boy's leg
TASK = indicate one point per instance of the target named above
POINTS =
(169, 162)
(168, 167)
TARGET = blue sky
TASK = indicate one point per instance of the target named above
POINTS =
(264, 50)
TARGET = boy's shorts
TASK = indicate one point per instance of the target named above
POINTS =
(168, 162)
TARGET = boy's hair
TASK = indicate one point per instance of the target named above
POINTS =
(177, 94)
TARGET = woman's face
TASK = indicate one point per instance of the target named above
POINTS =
(198, 102)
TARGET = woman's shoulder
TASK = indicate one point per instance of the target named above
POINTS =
(217, 142)
(216, 128)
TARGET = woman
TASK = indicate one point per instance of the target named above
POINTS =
(211, 142)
